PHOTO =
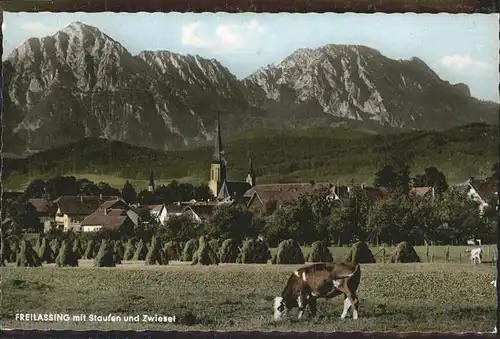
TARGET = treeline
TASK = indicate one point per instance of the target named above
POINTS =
(458, 153)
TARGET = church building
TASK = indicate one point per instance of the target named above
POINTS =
(223, 188)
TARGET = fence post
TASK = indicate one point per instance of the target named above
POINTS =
(427, 251)
(459, 257)
(447, 254)
(383, 255)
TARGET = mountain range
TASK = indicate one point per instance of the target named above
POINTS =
(81, 83)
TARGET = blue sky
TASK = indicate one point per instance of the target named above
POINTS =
(459, 47)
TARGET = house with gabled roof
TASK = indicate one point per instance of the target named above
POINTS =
(483, 191)
(71, 210)
(200, 212)
(111, 215)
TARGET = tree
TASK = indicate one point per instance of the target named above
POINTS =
(24, 214)
(146, 197)
(390, 221)
(432, 177)
(231, 222)
(106, 190)
(386, 177)
(459, 218)
(180, 228)
(403, 180)
(62, 185)
(128, 193)
(350, 219)
(35, 189)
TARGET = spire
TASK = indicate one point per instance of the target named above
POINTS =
(250, 165)
(151, 186)
(218, 148)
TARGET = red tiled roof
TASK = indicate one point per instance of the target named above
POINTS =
(43, 206)
(420, 190)
(76, 205)
(487, 189)
(111, 220)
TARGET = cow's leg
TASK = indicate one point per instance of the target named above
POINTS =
(347, 304)
(301, 301)
(350, 300)
(312, 305)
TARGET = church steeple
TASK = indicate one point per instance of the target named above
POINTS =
(251, 173)
(151, 186)
(218, 148)
(218, 166)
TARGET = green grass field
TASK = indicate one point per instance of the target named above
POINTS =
(442, 297)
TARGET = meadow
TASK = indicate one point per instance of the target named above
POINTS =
(438, 296)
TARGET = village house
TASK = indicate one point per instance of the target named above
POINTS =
(200, 212)
(260, 195)
(482, 191)
(72, 210)
(111, 215)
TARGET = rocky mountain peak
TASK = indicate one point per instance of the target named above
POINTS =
(80, 83)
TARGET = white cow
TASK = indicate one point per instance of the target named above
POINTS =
(475, 254)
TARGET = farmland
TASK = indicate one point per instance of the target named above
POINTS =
(438, 296)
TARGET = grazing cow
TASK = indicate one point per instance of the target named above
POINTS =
(320, 280)
(475, 254)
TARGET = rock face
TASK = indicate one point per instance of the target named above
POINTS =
(81, 83)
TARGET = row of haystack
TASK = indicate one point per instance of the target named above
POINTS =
(23, 254)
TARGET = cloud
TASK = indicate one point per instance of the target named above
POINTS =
(458, 62)
(225, 37)
(38, 28)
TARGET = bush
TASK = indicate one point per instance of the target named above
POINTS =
(45, 252)
(404, 253)
(289, 252)
(254, 252)
(156, 254)
(141, 251)
(104, 257)
(66, 257)
(319, 253)
(205, 255)
(128, 254)
(229, 250)
(27, 257)
(360, 253)
(173, 250)
(190, 249)
(90, 250)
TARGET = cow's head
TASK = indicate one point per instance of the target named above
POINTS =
(279, 308)
(282, 305)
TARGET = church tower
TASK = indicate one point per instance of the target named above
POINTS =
(251, 173)
(218, 165)
(151, 186)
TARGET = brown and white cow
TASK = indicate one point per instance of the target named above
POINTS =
(320, 280)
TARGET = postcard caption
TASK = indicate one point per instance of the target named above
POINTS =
(100, 318)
